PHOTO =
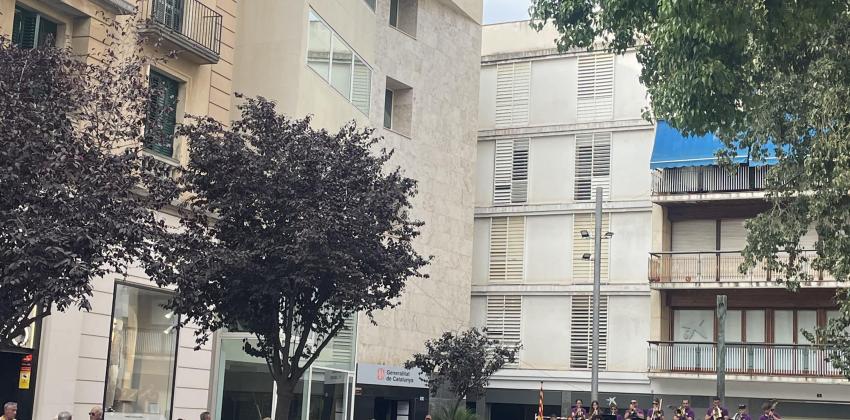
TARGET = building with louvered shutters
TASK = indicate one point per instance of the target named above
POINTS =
(552, 128)
(124, 354)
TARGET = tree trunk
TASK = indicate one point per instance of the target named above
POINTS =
(285, 398)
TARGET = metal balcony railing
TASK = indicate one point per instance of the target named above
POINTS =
(188, 24)
(741, 358)
(707, 179)
(717, 266)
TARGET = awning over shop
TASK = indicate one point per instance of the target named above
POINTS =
(674, 150)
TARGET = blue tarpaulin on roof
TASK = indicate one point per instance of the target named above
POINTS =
(674, 150)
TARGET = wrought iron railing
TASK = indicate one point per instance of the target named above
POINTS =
(719, 266)
(741, 358)
(707, 179)
(189, 20)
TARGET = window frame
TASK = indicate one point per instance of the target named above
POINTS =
(388, 110)
(177, 329)
(334, 36)
(39, 16)
(180, 87)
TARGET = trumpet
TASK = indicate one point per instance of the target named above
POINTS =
(717, 414)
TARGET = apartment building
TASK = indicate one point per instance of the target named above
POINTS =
(125, 354)
(409, 68)
(552, 128)
(698, 233)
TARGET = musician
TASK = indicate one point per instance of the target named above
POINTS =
(595, 412)
(634, 411)
(656, 413)
(689, 412)
(716, 411)
(770, 413)
(612, 410)
(579, 412)
(742, 413)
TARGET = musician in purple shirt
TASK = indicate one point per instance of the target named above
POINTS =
(770, 413)
(689, 412)
(742, 413)
(711, 414)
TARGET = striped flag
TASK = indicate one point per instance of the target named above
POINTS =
(540, 407)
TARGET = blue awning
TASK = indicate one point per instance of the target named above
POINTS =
(673, 150)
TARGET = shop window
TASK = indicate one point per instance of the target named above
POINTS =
(142, 354)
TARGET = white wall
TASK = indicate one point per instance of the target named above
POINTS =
(553, 91)
(629, 95)
(487, 98)
(628, 331)
(630, 154)
(481, 251)
(545, 332)
(484, 167)
(548, 249)
(630, 247)
(551, 169)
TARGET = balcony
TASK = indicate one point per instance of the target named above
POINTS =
(707, 179)
(757, 359)
(186, 26)
(670, 270)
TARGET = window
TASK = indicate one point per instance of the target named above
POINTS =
(583, 268)
(593, 165)
(371, 4)
(31, 29)
(403, 15)
(504, 317)
(581, 332)
(513, 84)
(507, 249)
(398, 107)
(510, 178)
(336, 62)
(388, 108)
(595, 87)
(142, 354)
(162, 114)
(168, 13)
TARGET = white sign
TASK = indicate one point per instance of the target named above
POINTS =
(389, 376)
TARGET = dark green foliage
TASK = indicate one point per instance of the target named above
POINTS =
(750, 71)
(288, 232)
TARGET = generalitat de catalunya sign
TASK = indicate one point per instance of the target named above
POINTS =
(389, 376)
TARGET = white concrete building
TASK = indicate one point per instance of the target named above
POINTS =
(553, 127)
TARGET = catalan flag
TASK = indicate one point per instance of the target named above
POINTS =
(540, 407)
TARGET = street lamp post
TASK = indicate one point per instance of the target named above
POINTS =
(597, 274)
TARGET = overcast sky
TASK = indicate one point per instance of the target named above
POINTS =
(496, 11)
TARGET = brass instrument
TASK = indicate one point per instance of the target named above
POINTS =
(678, 413)
(579, 415)
(717, 414)
(773, 405)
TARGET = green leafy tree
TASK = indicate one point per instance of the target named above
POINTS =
(750, 72)
(462, 364)
(76, 193)
(287, 233)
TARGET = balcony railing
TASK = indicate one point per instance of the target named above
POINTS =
(741, 358)
(185, 24)
(717, 266)
(707, 179)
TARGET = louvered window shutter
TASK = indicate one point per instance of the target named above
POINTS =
(343, 344)
(510, 178)
(24, 28)
(513, 83)
(162, 113)
(595, 87)
(504, 316)
(507, 249)
(593, 165)
(581, 330)
(583, 269)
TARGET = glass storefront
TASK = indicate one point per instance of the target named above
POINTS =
(142, 353)
(245, 389)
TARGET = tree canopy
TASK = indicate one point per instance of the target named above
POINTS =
(461, 363)
(78, 194)
(287, 232)
(750, 72)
